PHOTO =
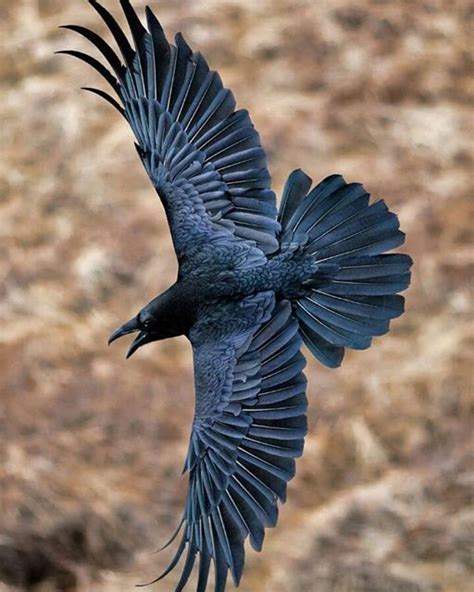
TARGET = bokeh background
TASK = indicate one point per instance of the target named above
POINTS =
(92, 446)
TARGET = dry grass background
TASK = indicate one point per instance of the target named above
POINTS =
(91, 446)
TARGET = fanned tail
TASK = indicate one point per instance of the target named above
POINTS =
(354, 294)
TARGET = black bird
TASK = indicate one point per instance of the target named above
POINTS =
(253, 284)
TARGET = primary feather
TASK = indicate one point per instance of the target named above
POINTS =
(253, 284)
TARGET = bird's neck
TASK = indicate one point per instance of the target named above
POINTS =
(174, 311)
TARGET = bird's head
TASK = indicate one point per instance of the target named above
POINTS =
(147, 326)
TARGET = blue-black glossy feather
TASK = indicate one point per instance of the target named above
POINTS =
(335, 225)
(237, 472)
(159, 78)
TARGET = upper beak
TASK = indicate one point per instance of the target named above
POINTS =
(129, 327)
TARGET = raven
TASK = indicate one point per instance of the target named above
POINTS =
(254, 283)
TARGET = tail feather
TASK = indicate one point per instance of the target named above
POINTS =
(295, 190)
(364, 326)
(359, 268)
(317, 205)
(335, 335)
(374, 307)
(328, 354)
(347, 238)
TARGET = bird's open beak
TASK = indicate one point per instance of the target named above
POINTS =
(131, 327)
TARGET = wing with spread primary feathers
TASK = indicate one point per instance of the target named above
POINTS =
(249, 426)
(203, 157)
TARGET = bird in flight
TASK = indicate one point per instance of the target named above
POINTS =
(254, 283)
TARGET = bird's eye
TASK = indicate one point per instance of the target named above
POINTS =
(143, 322)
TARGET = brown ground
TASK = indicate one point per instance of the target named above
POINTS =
(92, 447)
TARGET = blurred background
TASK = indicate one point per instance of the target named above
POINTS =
(92, 446)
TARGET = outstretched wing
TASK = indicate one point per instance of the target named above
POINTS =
(203, 157)
(249, 426)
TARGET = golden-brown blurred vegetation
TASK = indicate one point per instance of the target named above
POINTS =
(92, 447)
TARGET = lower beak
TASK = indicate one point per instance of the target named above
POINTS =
(139, 340)
(129, 327)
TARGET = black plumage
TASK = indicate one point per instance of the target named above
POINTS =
(253, 284)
